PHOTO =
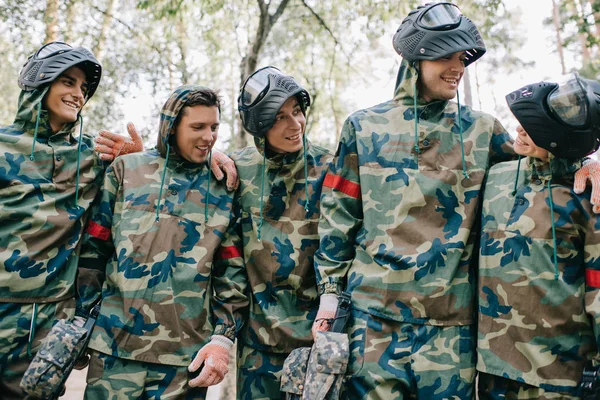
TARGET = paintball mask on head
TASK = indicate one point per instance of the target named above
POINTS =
(563, 118)
(263, 94)
(52, 59)
(436, 30)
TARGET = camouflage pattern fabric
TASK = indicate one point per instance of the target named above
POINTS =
(115, 378)
(293, 374)
(259, 374)
(492, 387)
(316, 373)
(41, 221)
(166, 284)
(395, 360)
(15, 323)
(53, 362)
(535, 328)
(283, 302)
(397, 226)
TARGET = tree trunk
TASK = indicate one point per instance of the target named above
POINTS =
(51, 21)
(250, 60)
(182, 38)
(69, 20)
(101, 42)
(557, 27)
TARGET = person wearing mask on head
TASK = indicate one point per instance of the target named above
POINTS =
(162, 250)
(539, 262)
(406, 258)
(49, 177)
(280, 186)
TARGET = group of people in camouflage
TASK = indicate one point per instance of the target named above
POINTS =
(425, 204)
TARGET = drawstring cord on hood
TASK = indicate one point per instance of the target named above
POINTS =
(162, 181)
(262, 188)
(208, 187)
(416, 116)
(306, 206)
(555, 256)
(32, 330)
(553, 227)
(78, 159)
(462, 144)
(517, 179)
(35, 132)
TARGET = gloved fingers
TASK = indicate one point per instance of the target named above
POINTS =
(198, 360)
(581, 177)
(208, 376)
(105, 141)
(319, 326)
(103, 149)
(114, 137)
(596, 208)
(595, 199)
(215, 167)
(133, 133)
(233, 179)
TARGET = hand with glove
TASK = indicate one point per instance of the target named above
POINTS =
(327, 308)
(222, 165)
(111, 145)
(591, 171)
(215, 357)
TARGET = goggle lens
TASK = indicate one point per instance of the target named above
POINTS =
(257, 85)
(441, 16)
(569, 101)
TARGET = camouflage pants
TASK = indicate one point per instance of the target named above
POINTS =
(491, 387)
(15, 324)
(394, 360)
(113, 378)
(259, 373)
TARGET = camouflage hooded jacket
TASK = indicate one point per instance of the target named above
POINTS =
(41, 219)
(397, 225)
(538, 323)
(283, 303)
(170, 278)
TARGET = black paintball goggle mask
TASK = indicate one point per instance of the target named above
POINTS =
(435, 31)
(263, 94)
(52, 59)
(563, 118)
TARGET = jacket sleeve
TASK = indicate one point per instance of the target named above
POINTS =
(591, 258)
(501, 145)
(230, 281)
(97, 247)
(341, 214)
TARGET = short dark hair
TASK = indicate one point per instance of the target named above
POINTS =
(203, 97)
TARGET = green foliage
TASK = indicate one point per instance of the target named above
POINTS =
(153, 46)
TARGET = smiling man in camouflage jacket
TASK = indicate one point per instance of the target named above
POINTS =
(163, 250)
(280, 186)
(398, 219)
(49, 177)
(539, 263)
(407, 256)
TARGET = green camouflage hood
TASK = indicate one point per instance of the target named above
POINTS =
(30, 105)
(169, 113)
(406, 87)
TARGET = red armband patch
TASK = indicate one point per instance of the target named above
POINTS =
(97, 231)
(592, 278)
(225, 253)
(343, 185)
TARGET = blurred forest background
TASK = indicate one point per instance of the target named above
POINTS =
(340, 50)
(149, 47)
